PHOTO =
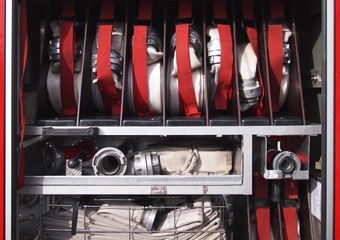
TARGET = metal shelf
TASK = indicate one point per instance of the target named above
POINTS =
(313, 129)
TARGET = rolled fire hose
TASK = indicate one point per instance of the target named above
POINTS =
(53, 77)
(116, 62)
(154, 68)
(195, 53)
(109, 161)
(174, 160)
(55, 157)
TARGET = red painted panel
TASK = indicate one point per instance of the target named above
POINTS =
(2, 117)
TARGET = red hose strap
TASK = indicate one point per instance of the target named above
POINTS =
(111, 99)
(185, 86)
(277, 9)
(23, 49)
(186, 92)
(262, 212)
(184, 9)
(275, 56)
(140, 73)
(290, 212)
(139, 61)
(224, 84)
(145, 10)
(67, 40)
(275, 52)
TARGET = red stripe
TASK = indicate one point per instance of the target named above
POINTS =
(109, 95)
(262, 212)
(145, 10)
(248, 9)
(2, 118)
(184, 9)
(290, 220)
(224, 85)
(337, 124)
(185, 86)
(289, 212)
(111, 99)
(67, 68)
(220, 9)
(23, 46)
(277, 9)
(107, 10)
(68, 8)
(140, 73)
(275, 55)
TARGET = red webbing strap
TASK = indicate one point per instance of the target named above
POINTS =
(275, 52)
(67, 40)
(139, 61)
(248, 15)
(224, 84)
(184, 9)
(186, 90)
(23, 49)
(109, 95)
(262, 212)
(290, 212)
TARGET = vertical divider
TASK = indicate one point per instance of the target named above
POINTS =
(125, 62)
(236, 96)
(263, 52)
(205, 64)
(84, 100)
(165, 57)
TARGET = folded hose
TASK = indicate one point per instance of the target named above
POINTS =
(53, 81)
(154, 72)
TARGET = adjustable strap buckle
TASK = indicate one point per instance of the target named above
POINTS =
(216, 21)
(111, 21)
(260, 203)
(291, 203)
(276, 21)
(248, 23)
(189, 21)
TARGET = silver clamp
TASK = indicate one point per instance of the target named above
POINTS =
(116, 62)
(250, 91)
(214, 51)
(54, 50)
(152, 39)
(147, 163)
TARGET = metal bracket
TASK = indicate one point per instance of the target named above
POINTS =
(56, 131)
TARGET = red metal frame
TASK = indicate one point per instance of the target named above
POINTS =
(2, 117)
(337, 124)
